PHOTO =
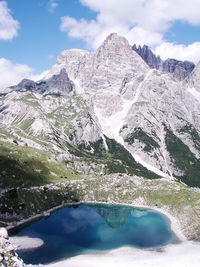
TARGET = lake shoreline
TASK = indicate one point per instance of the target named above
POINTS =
(174, 223)
(28, 243)
(125, 253)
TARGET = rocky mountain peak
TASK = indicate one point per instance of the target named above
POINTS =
(115, 44)
(56, 84)
(112, 67)
(120, 104)
(27, 84)
(179, 69)
(114, 59)
(70, 60)
(71, 54)
(115, 39)
(60, 83)
(148, 56)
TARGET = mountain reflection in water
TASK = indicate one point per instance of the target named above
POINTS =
(80, 229)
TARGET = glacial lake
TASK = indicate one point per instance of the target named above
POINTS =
(94, 228)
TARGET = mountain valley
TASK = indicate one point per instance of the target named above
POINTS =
(102, 126)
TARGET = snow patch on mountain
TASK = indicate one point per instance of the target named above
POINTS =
(111, 126)
(149, 166)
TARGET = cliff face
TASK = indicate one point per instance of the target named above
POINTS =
(179, 69)
(148, 56)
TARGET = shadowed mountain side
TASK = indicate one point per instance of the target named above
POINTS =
(179, 69)
(18, 203)
(117, 159)
(58, 84)
(25, 167)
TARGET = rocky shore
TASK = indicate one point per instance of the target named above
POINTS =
(177, 199)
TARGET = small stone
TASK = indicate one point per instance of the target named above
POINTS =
(3, 233)
(9, 248)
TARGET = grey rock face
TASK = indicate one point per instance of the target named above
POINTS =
(148, 56)
(179, 69)
(26, 84)
(59, 84)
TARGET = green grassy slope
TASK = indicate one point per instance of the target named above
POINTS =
(25, 166)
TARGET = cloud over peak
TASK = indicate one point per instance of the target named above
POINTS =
(12, 73)
(140, 21)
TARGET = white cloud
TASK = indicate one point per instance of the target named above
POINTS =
(52, 6)
(11, 73)
(140, 21)
(182, 52)
(140, 36)
(8, 25)
(90, 31)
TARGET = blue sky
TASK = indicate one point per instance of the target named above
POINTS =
(183, 33)
(34, 32)
(39, 39)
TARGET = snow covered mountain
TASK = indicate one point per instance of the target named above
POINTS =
(107, 111)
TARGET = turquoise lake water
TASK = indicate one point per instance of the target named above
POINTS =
(80, 229)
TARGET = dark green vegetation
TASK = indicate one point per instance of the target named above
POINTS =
(189, 129)
(22, 168)
(25, 167)
(117, 159)
(24, 202)
(183, 159)
(139, 134)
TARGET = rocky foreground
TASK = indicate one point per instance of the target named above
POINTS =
(8, 256)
